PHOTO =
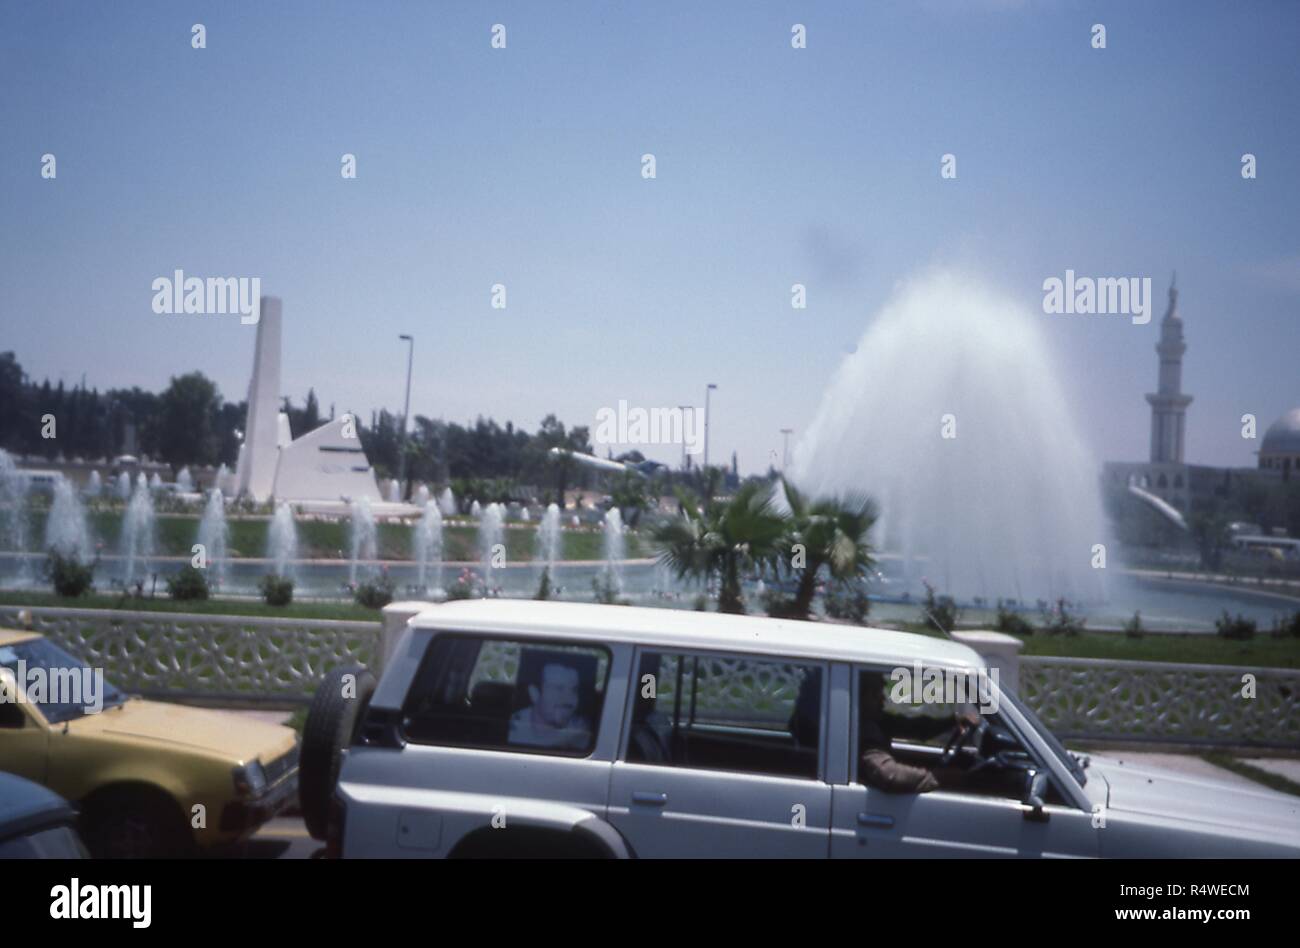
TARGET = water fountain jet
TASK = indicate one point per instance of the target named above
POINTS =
(951, 415)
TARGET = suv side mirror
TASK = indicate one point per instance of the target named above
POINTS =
(1036, 788)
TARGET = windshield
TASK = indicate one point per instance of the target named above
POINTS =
(1071, 763)
(62, 686)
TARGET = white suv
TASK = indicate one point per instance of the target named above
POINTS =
(512, 728)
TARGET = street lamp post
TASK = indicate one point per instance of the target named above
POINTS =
(785, 450)
(707, 389)
(684, 409)
(406, 411)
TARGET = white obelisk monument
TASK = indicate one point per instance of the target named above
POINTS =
(258, 455)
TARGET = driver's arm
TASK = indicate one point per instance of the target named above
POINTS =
(879, 769)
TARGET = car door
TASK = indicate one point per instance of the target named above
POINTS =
(723, 757)
(874, 823)
(499, 732)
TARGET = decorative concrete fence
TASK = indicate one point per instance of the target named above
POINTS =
(224, 660)
(254, 662)
(1164, 702)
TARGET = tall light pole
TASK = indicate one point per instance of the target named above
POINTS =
(707, 389)
(785, 450)
(406, 411)
(684, 409)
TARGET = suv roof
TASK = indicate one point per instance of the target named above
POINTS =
(680, 628)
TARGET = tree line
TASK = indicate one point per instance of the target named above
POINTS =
(190, 423)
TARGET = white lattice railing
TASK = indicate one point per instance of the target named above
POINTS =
(234, 658)
(1159, 701)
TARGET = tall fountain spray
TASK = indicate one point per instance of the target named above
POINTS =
(185, 481)
(363, 537)
(94, 485)
(394, 492)
(422, 495)
(66, 529)
(950, 413)
(615, 550)
(282, 542)
(491, 532)
(475, 509)
(14, 488)
(137, 543)
(155, 482)
(427, 541)
(214, 537)
(123, 486)
(547, 548)
(447, 502)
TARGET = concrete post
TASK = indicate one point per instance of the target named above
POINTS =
(396, 616)
(1000, 651)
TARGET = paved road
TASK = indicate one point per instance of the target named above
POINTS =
(282, 838)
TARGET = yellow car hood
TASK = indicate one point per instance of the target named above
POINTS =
(223, 733)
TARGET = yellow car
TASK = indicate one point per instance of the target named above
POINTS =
(150, 779)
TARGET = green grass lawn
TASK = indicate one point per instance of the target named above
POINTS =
(1263, 650)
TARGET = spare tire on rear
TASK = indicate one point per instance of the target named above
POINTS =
(332, 724)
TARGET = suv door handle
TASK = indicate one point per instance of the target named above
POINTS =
(649, 798)
(876, 820)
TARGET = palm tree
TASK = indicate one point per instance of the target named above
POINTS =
(722, 539)
(829, 532)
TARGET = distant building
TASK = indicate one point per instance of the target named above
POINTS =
(1166, 473)
(1168, 403)
(322, 470)
(1279, 452)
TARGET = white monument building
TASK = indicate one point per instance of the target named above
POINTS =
(321, 471)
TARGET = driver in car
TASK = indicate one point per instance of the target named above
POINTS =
(876, 728)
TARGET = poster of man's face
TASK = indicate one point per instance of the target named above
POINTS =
(557, 685)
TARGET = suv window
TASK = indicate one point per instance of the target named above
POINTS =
(726, 713)
(506, 694)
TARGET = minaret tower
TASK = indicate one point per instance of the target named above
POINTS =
(1169, 404)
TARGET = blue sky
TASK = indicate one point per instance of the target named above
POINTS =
(522, 166)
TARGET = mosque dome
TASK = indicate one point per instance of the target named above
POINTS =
(1283, 436)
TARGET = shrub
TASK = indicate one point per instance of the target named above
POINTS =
(69, 576)
(373, 595)
(606, 590)
(940, 611)
(276, 590)
(1288, 626)
(463, 587)
(1133, 627)
(847, 603)
(1060, 621)
(776, 604)
(1012, 622)
(1236, 627)
(189, 583)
